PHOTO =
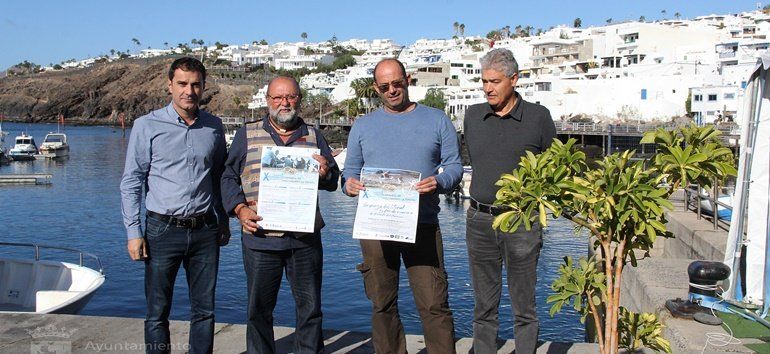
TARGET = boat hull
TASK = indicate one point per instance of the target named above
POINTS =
(55, 152)
(46, 286)
(21, 156)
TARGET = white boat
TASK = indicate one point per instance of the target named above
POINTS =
(41, 286)
(229, 136)
(724, 213)
(24, 148)
(55, 145)
(339, 157)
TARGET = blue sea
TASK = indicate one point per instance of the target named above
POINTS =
(81, 209)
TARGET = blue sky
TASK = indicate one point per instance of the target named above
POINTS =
(53, 31)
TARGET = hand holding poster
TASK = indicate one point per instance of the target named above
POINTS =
(389, 206)
(288, 189)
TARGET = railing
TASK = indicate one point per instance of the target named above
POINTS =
(693, 193)
(726, 55)
(640, 128)
(37, 248)
(339, 121)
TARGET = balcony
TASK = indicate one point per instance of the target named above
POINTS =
(726, 55)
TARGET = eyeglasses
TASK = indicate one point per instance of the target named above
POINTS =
(279, 99)
(396, 85)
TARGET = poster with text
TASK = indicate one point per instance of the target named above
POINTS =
(388, 207)
(288, 189)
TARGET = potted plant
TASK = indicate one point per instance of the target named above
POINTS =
(622, 203)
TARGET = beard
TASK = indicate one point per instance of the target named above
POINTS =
(284, 120)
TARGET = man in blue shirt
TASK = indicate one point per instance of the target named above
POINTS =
(177, 154)
(267, 254)
(409, 136)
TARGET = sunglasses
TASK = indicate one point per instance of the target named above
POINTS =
(396, 85)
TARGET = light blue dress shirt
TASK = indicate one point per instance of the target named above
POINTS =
(178, 166)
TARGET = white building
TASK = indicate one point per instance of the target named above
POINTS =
(711, 103)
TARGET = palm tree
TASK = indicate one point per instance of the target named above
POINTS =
(304, 36)
(517, 31)
(365, 91)
(507, 31)
(137, 44)
(663, 13)
(642, 19)
(609, 20)
(456, 27)
(528, 30)
(677, 15)
(577, 22)
(462, 29)
(165, 44)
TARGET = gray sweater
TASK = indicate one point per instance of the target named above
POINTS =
(421, 140)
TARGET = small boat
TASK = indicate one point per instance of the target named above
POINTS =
(24, 148)
(724, 213)
(229, 136)
(41, 286)
(339, 157)
(55, 145)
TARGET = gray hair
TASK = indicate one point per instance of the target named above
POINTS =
(501, 60)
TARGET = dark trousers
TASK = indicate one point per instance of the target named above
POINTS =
(264, 271)
(170, 247)
(424, 262)
(488, 252)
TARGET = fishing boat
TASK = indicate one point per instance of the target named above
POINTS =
(55, 145)
(40, 286)
(24, 148)
(339, 157)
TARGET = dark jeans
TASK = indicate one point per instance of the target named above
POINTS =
(264, 270)
(488, 251)
(424, 262)
(169, 247)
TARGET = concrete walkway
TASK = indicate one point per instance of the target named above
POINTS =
(25, 333)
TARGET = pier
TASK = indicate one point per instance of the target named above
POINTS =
(31, 178)
(21, 333)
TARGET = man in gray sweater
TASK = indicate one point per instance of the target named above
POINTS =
(409, 136)
(498, 133)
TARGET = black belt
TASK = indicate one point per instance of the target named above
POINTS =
(489, 209)
(192, 222)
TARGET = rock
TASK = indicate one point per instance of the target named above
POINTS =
(98, 94)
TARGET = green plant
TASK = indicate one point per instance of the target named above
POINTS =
(434, 98)
(641, 330)
(622, 203)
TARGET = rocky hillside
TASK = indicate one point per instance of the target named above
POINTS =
(97, 95)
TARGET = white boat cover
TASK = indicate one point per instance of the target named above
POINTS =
(751, 195)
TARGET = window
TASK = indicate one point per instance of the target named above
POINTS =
(697, 98)
(644, 94)
(457, 65)
(729, 96)
(712, 97)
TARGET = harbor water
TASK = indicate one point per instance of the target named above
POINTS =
(81, 209)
